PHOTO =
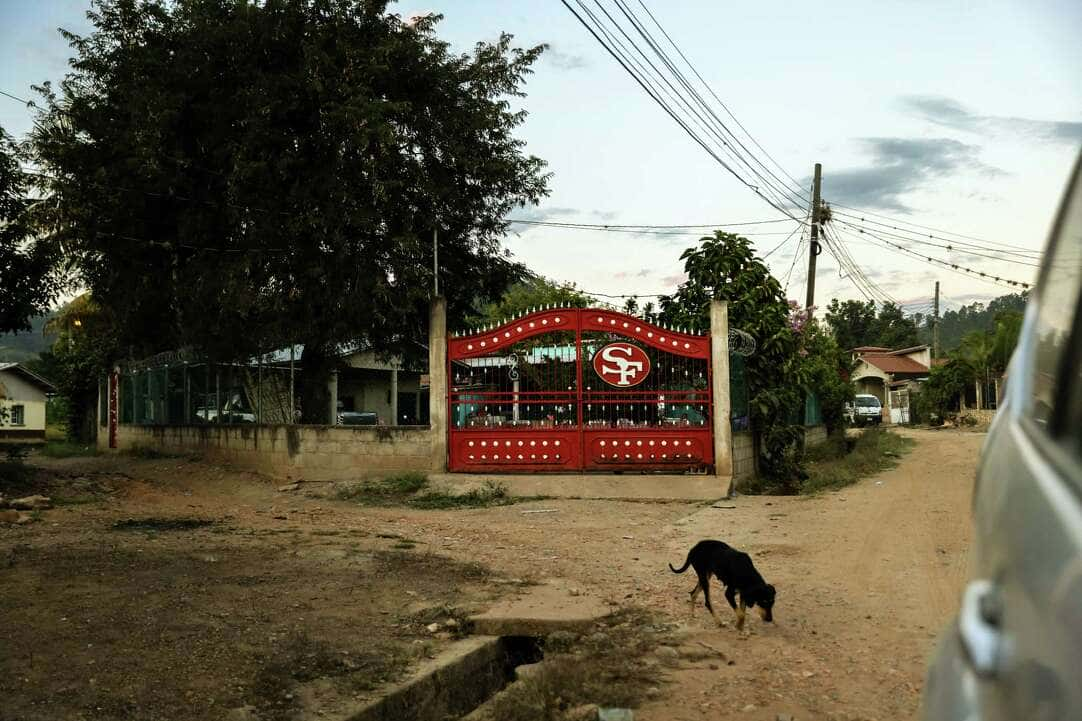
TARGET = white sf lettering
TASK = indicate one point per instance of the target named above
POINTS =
(624, 368)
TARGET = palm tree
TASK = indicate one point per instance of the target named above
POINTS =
(978, 350)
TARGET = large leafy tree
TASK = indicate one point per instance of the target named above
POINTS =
(724, 267)
(855, 323)
(852, 322)
(29, 277)
(531, 293)
(234, 176)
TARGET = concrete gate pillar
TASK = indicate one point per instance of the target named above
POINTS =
(437, 382)
(332, 393)
(394, 396)
(722, 411)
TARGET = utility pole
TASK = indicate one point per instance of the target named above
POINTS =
(813, 246)
(935, 324)
(435, 262)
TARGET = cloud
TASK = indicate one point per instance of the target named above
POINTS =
(565, 61)
(949, 113)
(900, 166)
(554, 213)
(674, 280)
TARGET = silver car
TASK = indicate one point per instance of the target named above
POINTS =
(1015, 651)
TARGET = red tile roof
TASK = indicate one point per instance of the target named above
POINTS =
(870, 349)
(894, 363)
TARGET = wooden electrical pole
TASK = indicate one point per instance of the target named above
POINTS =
(813, 246)
(935, 324)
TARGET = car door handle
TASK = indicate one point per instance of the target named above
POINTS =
(979, 627)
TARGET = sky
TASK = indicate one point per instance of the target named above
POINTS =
(964, 117)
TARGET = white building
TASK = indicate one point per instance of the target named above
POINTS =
(22, 398)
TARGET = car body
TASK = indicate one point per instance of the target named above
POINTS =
(357, 418)
(865, 410)
(1014, 652)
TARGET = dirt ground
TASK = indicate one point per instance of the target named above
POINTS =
(292, 604)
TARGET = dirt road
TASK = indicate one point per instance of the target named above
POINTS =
(866, 576)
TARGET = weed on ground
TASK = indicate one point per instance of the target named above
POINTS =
(413, 490)
(843, 461)
(612, 665)
(67, 449)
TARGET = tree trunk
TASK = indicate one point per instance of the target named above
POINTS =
(317, 363)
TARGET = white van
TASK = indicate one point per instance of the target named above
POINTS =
(866, 410)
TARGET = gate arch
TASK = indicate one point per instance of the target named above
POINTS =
(579, 389)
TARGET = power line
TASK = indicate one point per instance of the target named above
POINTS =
(954, 267)
(779, 245)
(642, 225)
(723, 105)
(15, 97)
(655, 96)
(923, 227)
(951, 244)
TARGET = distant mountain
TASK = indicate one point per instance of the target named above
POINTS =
(26, 346)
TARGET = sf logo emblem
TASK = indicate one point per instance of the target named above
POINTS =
(622, 364)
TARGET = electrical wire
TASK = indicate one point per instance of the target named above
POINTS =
(925, 227)
(954, 267)
(15, 97)
(641, 225)
(666, 108)
(709, 89)
(952, 247)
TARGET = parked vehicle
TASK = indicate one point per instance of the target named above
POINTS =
(865, 410)
(357, 418)
(1015, 650)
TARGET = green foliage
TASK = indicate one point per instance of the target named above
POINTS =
(939, 395)
(841, 462)
(29, 277)
(67, 449)
(855, 323)
(725, 267)
(531, 293)
(86, 343)
(827, 368)
(412, 489)
(235, 176)
(955, 324)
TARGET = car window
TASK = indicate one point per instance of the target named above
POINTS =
(1058, 297)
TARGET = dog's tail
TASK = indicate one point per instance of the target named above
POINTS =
(683, 568)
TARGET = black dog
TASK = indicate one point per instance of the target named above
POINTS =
(736, 572)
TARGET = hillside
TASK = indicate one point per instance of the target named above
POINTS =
(26, 346)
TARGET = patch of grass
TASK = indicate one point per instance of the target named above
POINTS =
(412, 490)
(612, 665)
(405, 545)
(841, 462)
(67, 449)
(161, 524)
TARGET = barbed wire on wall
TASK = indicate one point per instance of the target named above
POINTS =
(741, 343)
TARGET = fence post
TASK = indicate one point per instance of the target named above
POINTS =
(721, 413)
(437, 382)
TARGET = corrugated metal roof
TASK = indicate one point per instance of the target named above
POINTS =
(29, 375)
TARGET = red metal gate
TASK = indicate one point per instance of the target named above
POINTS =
(571, 389)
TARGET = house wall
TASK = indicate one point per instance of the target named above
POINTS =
(924, 357)
(311, 453)
(18, 392)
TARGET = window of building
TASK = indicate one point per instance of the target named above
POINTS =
(18, 415)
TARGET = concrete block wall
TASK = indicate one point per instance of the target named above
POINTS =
(814, 435)
(744, 466)
(314, 453)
